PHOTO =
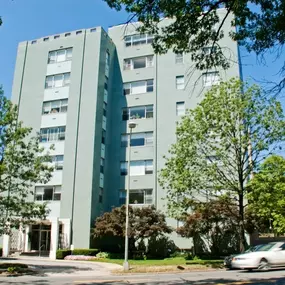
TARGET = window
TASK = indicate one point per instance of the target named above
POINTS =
(137, 139)
(209, 50)
(138, 62)
(124, 168)
(149, 111)
(148, 167)
(180, 108)
(107, 63)
(107, 58)
(141, 196)
(47, 193)
(137, 167)
(180, 82)
(60, 55)
(78, 32)
(124, 140)
(52, 134)
(101, 195)
(33, 42)
(58, 80)
(93, 30)
(67, 34)
(211, 78)
(140, 39)
(105, 95)
(137, 197)
(56, 37)
(102, 163)
(141, 112)
(58, 162)
(46, 39)
(149, 85)
(179, 58)
(138, 87)
(104, 109)
(103, 137)
(106, 83)
(122, 197)
(54, 107)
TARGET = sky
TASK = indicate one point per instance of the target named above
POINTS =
(31, 19)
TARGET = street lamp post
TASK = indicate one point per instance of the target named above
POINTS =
(126, 266)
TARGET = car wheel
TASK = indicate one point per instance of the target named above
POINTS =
(263, 264)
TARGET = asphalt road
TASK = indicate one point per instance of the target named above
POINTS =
(194, 278)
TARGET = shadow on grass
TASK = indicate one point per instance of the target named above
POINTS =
(209, 263)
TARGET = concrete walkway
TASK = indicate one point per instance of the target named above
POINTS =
(46, 267)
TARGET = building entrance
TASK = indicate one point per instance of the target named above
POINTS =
(40, 237)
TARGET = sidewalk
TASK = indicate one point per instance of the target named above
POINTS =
(46, 267)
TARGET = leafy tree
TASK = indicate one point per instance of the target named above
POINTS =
(160, 247)
(267, 192)
(22, 164)
(213, 227)
(200, 23)
(145, 222)
(219, 144)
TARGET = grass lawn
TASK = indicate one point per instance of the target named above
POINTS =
(166, 265)
(164, 262)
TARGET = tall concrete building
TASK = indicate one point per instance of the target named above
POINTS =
(79, 90)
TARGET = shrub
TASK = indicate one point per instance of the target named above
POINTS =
(112, 244)
(116, 255)
(62, 253)
(160, 247)
(85, 251)
(103, 255)
(180, 253)
(139, 255)
(12, 269)
(189, 256)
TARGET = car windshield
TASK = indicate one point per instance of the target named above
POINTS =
(266, 247)
(254, 248)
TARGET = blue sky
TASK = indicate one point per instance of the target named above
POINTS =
(31, 19)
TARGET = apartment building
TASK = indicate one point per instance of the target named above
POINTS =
(157, 90)
(79, 91)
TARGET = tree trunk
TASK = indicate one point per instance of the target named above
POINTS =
(242, 240)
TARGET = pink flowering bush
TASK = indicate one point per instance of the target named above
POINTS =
(79, 257)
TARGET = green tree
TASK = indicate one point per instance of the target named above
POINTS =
(219, 144)
(267, 192)
(145, 223)
(200, 23)
(22, 164)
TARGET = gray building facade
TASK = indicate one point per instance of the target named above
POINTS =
(79, 90)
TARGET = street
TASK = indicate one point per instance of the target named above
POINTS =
(196, 278)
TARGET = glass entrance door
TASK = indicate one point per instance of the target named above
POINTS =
(45, 240)
(40, 237)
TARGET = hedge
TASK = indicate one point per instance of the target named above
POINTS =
(62, 253)
(84, 251)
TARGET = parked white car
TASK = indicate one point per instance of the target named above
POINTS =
(268, 256)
